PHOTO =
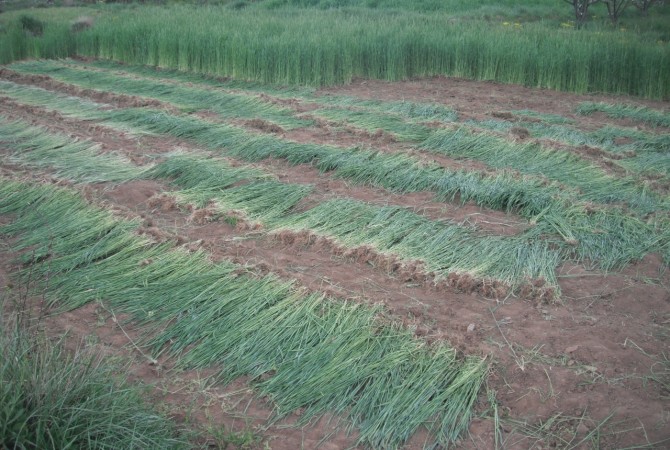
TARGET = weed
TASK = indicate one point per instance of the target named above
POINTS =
(53, 398)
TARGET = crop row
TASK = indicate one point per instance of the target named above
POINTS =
(298, 349)
(444, 247)
(607, 237)
(399, 119)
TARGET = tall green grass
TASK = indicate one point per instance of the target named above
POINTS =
(56, 41)
(214, 314)
(335, 46)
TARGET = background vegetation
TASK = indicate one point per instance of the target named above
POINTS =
(530, 43)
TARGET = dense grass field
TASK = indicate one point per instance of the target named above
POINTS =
(536, 46)
(353, 260)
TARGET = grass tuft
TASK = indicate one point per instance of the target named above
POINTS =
(53, 398)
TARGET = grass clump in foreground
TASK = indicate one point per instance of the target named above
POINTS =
(293, 346)
(51, 398)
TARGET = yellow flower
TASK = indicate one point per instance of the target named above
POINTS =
(505, 23)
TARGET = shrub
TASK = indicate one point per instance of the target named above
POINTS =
(32, 25)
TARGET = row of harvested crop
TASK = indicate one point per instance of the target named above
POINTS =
(403, 120)
(444, 248)
(260, 327)
(608, 238)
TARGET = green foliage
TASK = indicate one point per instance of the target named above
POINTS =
(214, 314)
(51, 398)
(264, 47)
(30, 37)
(372, 40)
(622, 111)
(31, 25)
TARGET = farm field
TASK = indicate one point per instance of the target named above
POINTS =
(382, 264)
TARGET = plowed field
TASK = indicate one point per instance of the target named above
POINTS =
(432, 262)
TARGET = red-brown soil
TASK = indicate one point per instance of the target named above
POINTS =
(600, 350)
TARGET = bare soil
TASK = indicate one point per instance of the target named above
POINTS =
(598, 355)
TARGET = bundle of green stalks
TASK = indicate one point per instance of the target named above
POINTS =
(593, 183)
(64, 104)
(79, 161)
(622, 111)
(370, 121)
(226, 104)
(186, 77)
(444, 248)
(231, 188)
(643, 152)
(556, 132)
(529, 197)
(260, 327)
(413, 111)
(83, 234)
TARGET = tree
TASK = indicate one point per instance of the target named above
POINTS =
(615, 8)
(581, 9)
(644, 5)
